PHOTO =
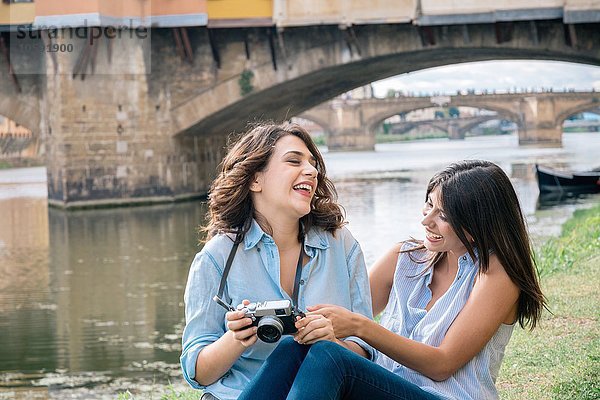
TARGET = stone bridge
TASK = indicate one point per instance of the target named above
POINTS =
(539, 117)
(456, 128)
(135, 120)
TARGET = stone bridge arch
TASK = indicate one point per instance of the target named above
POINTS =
(313, 64)
(20, 102)
(456, 128)
(454, 132)
(318, 119)
(377, 119)
(593, 106)
(468, 127)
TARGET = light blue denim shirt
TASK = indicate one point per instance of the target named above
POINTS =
(335, 274)
(406, 315)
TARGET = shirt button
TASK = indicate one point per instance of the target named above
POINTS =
(464, 258)
(302, 281)
(258, 249)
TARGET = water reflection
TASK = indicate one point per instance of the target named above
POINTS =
(553, 200)
(118, 276)
(25, 277)
(102, 292)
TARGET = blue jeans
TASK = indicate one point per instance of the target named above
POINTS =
(328, 371)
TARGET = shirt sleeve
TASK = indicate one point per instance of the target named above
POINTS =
(360, 292)
(204, 318)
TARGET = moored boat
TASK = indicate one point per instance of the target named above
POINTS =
(550, 180)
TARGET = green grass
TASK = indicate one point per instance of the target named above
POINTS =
(20, 163)
(170, 393)
(560, 359)
(580, 240)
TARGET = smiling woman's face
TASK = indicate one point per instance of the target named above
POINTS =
(287, 185)
(439, 235)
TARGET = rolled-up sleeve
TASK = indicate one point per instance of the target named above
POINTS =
(360, 292)
(204, 319)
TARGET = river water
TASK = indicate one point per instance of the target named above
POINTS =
(91, 301)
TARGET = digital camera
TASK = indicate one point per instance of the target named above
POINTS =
(273, 318)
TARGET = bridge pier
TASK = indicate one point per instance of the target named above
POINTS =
(538, 122)
(454, 131)
(107, 138)
(348, 130)
(351, 140)
(541, 136)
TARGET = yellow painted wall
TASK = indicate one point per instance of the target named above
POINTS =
(16, 14)
(239, 9)
(120, 8)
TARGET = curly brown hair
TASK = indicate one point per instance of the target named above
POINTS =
(230, 207)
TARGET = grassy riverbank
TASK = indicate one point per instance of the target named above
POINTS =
(560, 359)
(20, 163)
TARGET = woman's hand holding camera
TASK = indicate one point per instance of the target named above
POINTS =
(313, 328)
(238, 324)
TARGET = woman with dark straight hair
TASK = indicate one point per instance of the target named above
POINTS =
(276, 234)
(451, 302)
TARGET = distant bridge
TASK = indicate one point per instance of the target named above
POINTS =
(539, 116)
(456, 128)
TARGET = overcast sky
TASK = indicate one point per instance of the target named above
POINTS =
(499, 75)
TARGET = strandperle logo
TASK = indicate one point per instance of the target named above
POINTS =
(30, 44)
(83, 32)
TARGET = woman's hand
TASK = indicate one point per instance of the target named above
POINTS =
(344, 321)
(314, 328)
(239, 324)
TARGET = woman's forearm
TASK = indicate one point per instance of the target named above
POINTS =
(217, 358)
(352, 346)
(423, 358)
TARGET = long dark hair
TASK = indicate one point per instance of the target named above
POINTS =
(479, 200)
(230, 207)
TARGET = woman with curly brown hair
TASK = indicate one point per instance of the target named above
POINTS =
(272, 199)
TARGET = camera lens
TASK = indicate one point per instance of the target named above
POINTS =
(270, 329)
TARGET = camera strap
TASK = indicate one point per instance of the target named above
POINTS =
(236, 243)
(219, 296)
(298, 275)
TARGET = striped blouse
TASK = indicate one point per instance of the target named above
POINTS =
(405, 315)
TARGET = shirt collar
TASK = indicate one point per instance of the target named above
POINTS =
(468, 261)
(314, 237)
(465, 262)
(254, 235)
